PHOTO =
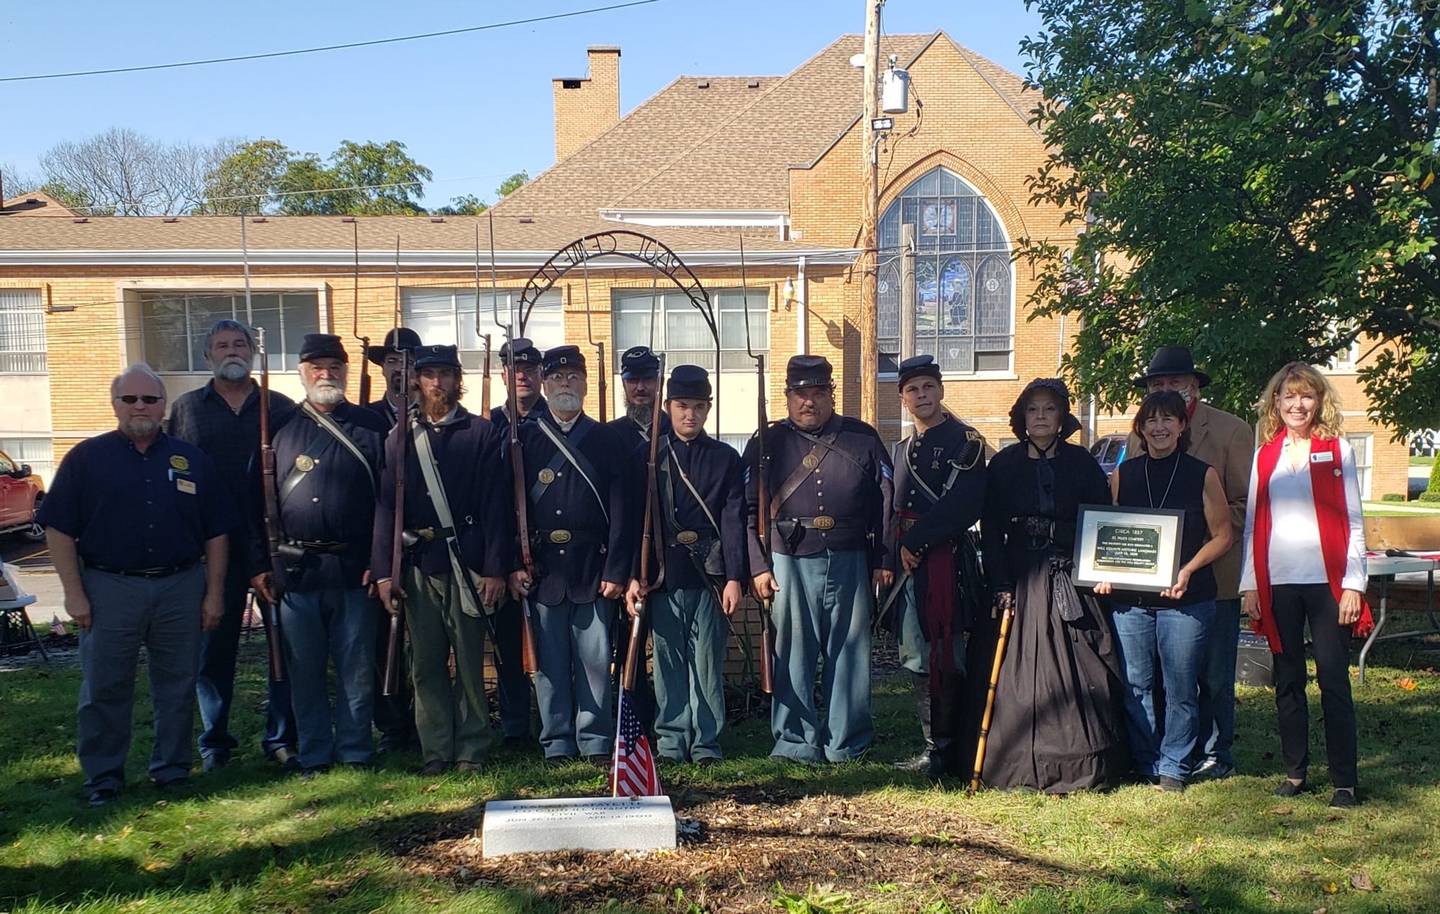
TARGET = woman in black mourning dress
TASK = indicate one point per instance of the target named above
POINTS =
(1057, 724)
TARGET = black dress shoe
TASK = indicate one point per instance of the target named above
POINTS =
(214, 761)
(1344, 799)
(286, 758)
(555, 761)
(1168, 784)
(434, 767)
(1289, 788)
(708, 761)
(313, 772)
(172, 784)
(103, 795)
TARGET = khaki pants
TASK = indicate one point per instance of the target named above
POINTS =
(451, 715)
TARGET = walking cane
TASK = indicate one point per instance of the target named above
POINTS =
(1008, 610)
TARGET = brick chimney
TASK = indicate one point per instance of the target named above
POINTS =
(587, 107)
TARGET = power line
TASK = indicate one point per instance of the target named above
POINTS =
(330, 47)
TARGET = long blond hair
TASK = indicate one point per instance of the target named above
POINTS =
(1300, 376)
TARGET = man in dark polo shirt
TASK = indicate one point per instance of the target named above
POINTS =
(129, 517)
(223, 420)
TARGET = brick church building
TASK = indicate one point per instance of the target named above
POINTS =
(704, 163)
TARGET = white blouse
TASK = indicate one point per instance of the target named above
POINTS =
(1295, 556)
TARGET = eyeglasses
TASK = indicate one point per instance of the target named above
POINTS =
(147, 399)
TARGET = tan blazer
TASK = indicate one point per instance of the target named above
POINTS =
(1227, 443)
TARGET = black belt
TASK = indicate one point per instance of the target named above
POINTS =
(823, 522)
(164, 571)
(315, 546)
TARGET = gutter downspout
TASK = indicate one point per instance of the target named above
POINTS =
(802, 301)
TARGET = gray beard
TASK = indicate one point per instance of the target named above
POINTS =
(325, 395)
(640, 414)
(566, 402)
(140, 427)
(232, 371)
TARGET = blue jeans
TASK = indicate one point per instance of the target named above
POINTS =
(1178, 637)
(1217, 687)
(215, 685)
(321, 626)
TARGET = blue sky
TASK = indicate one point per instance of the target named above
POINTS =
(474, 108)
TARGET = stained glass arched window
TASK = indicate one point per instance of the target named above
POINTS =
(963, 277)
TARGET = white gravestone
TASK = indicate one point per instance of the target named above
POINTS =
(599, 824)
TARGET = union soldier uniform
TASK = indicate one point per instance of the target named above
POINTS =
(394, 714)
(830, 493)
(939, 494)
(474, 537)
(141, 522)
(400, 339)
(702, 509)
(638, 362)
(328, 479)
(231, 439)
(513, 687)
(578, 481)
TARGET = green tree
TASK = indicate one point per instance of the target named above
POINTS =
(467, 205)
(513, 183)
(245, 180)
(394, 180)
(1255, 180)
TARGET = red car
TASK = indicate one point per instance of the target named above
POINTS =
(20, 494)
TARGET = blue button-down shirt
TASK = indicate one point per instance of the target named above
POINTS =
(133, 511)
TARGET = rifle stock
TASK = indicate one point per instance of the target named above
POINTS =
(273, 537)
(762, 523)
(529, 659)
(397, 547)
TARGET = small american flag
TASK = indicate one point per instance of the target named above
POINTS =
(633, 773)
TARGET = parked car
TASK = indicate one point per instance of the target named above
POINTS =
(1109, 451)
(20, 494)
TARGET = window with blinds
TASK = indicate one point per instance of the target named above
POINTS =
(683, 333)
(22, 332)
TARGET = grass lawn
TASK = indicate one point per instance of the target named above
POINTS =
(860, 837)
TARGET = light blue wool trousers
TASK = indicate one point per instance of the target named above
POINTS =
(690, 641)
(822, 627)
(572, 686)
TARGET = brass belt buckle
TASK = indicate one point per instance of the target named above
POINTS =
(824, 522)
(687, 537)
(560, 537)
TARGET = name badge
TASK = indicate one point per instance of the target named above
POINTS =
(1322, 457)
(185, 485)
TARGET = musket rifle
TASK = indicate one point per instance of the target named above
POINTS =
(274, 538)
(651, 541)
(762, 472)
(529, 659)
(397, 548)
(355, 322)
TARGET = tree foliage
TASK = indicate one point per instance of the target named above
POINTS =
(358, 179)
(1254, 180)
(245, 180)
(471, 205)
(126, 173)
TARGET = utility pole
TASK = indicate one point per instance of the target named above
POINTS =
(869, 255)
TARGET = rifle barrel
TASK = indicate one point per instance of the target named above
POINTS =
(397, 548)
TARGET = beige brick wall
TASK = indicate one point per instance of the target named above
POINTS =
(590, 106)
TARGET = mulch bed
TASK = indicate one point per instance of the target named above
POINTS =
(737, 845)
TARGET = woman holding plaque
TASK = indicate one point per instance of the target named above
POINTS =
(1055, 726)
(1173, 624)
(1305, 562)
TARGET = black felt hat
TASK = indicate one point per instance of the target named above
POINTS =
(322, 346)
(401, 339)
(688, 382)
(562, 357)
(639, 362)
(1054, 386)
(524, 350)
(1169, 361)
(808, 371)
(437, 356)
(916, 366)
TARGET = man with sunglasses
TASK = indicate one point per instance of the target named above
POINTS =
(137, 523)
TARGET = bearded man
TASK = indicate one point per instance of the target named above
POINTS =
(457, 511)
(223, 420)
(328, 456)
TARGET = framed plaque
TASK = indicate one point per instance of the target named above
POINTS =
(1130, 548)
